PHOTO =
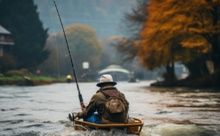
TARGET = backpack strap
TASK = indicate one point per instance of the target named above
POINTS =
(110, 93)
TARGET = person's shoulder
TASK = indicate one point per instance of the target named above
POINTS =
(98, 94)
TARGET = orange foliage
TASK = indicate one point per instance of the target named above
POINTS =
(176, 28)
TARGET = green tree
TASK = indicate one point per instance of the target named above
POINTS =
(84, 46)
(20, 17)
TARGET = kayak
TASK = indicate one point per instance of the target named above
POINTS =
(133, 126)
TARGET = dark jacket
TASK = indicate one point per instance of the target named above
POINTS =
(97, 103)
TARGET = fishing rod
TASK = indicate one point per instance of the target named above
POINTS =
(72, 64)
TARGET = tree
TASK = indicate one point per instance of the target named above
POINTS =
(206, 22)
(180, 31)
(84, 47)
(22, 20)
(132, 26)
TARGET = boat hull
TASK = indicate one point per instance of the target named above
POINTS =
(134, 126)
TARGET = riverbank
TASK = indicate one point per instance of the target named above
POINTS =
(29, 80)
(212, 81)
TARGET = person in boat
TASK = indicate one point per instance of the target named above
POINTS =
(97, 111)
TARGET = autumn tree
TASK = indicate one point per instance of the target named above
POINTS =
(84, 47)
(180, 31)
(205, 21)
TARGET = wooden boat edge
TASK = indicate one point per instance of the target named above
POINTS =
(133, 127)
(139, 123)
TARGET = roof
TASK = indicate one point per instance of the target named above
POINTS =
(3, 30)
(114, 68)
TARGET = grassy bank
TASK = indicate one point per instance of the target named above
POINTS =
(29, 80)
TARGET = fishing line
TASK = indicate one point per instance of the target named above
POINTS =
(56, 45)
(72, 64)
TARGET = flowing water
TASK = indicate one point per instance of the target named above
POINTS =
(43, 110)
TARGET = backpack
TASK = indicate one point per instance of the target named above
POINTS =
(116, 107)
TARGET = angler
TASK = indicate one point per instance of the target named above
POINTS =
(111, 105)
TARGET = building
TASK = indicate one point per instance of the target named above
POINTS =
(6, 43)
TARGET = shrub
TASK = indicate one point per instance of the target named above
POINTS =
(22, 72)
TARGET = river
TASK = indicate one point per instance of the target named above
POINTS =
(42, 110)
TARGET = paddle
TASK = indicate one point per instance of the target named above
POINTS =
(72, 64)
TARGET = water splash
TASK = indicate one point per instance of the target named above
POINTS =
(179, 130)
(72, 132)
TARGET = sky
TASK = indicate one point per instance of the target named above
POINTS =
(104, 16)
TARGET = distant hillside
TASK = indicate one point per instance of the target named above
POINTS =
(104, 16)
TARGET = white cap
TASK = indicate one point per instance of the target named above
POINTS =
(106, 79)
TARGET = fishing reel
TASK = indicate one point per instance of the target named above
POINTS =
(72, 116)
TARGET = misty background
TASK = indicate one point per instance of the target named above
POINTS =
(105, 18)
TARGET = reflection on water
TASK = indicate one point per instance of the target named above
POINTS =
(43, 110)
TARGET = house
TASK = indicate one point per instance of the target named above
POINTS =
(6, 41)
